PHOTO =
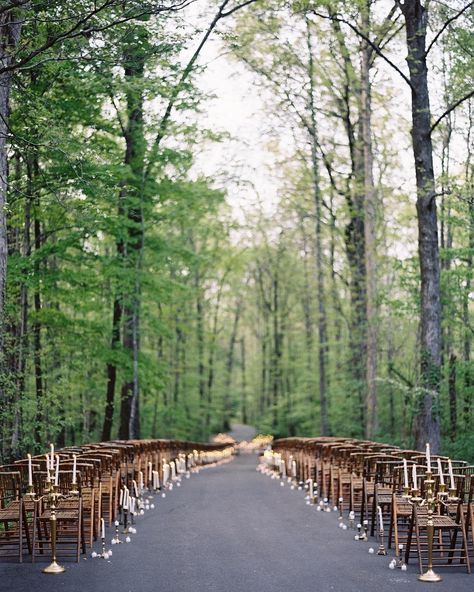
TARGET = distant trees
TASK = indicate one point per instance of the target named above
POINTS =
(132, 302)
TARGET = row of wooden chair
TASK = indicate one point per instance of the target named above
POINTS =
(90, 481)
(363, 476)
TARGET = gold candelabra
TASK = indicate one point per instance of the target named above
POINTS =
(431, 503)
(52, 496)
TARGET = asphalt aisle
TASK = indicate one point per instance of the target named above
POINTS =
(230, 529)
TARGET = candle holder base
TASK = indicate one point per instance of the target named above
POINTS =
(430, 576)
(54, 568)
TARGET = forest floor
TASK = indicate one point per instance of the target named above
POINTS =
(229, 529)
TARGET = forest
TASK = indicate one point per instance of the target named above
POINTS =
(144, 293)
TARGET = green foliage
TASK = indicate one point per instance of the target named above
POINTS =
(105, 208)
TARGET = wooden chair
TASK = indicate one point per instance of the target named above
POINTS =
(12, 516)
(450, 547)
(69, 535)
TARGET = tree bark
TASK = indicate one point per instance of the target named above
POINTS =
(134, 58)
(244, 382)
(355, 230)
(229, 366)
(318, 247)
(10, 30)
(369, 232)
(307, 315)
(112, 372)
(427, 428)
(452, 396)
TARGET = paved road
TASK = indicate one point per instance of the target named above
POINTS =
(242, 432)
(229, 529)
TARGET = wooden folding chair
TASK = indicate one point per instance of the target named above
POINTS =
(12, 516)
(69, 530)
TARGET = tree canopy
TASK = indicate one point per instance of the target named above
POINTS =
(136, 300)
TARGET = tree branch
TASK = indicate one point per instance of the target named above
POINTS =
(446, 25)
(81, 27)
(451, 108)
(367, 40)
(238, 7)
(185, 74)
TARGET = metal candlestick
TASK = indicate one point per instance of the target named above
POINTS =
(431, 502)
(452, 495)
(125, 521)
(52, 496)
(442, 493)
(381, 549)
(116, 540)
(400, 561)
(105, 554)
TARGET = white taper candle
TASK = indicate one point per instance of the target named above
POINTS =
(428, 457)
(405, 472)
(440, 471)
(380, 517)
(451, 476)
(56, 477)
(30, 471)
(414, 476)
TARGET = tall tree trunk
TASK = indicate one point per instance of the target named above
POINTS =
(176, 363)
(308, 320)
(277, 353)
(200, 354)
(264, 395)
(318, 247)
(230, 365)
(32, 173)
(369, 231)
(452, 396)
(336, 301)
(468, 372)
(212, 353)
(427, 427)
(134, 58)
(18, 325)
(244, 382)
(10, 30)
(355, 229)
(112, 372)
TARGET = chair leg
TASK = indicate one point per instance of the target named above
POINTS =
(409, 539)
(33, 549)
(20, 533)
(79, 530)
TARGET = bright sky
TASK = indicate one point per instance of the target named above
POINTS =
(237, 109)
(242, 164)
